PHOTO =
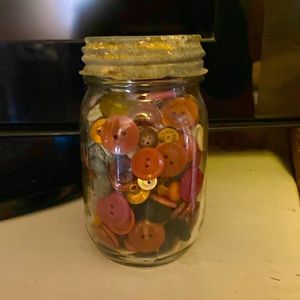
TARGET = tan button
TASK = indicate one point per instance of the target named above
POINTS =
(147, 185)
(136, 195)
(146, 237)
(168, 135)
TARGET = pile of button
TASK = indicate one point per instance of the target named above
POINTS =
(144, 162)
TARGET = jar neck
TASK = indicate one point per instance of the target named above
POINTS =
(142, 86)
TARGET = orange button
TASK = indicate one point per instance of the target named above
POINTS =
(119, 135)
(95, 131)
(174, 191)
(181, 112)
(147, 163)
(146, 237)
(175, 158)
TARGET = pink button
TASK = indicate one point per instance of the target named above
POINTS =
(146, 113)
(114, 210)
(191, 184)
(119, 134)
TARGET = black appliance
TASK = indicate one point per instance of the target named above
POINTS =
(41, 90)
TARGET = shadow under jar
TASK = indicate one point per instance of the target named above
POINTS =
(143, 146)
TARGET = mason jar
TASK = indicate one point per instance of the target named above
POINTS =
(143, 146)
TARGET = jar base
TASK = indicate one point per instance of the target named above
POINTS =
(135, 260)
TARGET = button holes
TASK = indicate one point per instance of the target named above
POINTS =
(148, 181)
(147, 166)
(147, 159)
(142, 236)
(171, 163)
(111, 213)
(150, 235)
(98, 130)
(115, 137)
(112, 206)
(123, 133)
(166, 156)
(147, 143)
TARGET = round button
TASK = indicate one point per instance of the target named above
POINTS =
(146, 113)
(175, 158)
(106, 236)
(114, 210)
(147, 163)
(147, 137)
(119, 134)
(174, 191)
(115, 104)
(147, 184)
(136, 195)
(146, 237)
(163, 200)
(168, 135)
(180, 113)
(191, 184)
(180, 228)
(125, 228)
(156, 212)
(95, 131)
(189, 144)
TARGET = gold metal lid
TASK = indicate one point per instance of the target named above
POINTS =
(143, 57)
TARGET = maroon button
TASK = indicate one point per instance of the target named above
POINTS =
(119, 134)
(191, 184)
(114, 210)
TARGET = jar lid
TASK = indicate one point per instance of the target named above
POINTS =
(143, 57)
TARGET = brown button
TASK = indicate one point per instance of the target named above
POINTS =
(148, 137)
(146, 237)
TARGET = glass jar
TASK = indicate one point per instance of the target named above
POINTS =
(143, 146)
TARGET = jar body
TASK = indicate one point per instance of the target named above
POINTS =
(143, 150)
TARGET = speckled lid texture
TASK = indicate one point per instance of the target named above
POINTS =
(143, 57)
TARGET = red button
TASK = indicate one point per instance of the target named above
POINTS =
(146, 237)
(175, 158)
(147, 163)
(114, 210)
(191, 184)
(119, 134)
(180, 113)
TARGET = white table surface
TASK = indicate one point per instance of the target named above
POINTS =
(248, 248)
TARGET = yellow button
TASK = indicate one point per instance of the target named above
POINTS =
(95, 131)
(136, 195)
(147, 185)
(168, 135)
(115, 104)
